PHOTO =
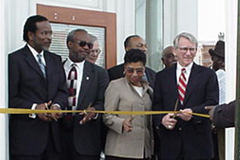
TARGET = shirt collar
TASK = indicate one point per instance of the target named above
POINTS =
(34, 52)
(69, 63)
(188, 68)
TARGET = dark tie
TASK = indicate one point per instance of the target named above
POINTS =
(41, 65)
(72, 87)
(182, 84)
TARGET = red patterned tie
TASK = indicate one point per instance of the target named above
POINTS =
(182, 84)
(72, 87)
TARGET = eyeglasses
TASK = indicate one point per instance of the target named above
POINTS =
(84, 43)
(95, 51)
(185, 49)
(138, 70)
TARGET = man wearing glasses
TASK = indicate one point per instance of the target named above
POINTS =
(86, 84)
(188, 88)
(133, 42)
(95, 51)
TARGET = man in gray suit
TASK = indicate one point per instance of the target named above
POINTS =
(82, 132)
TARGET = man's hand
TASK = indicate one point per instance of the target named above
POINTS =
(186, 114)
(43, 116)
(88, 116)
(211, 110)
(55, 116)
(127, 124)
(168, 121)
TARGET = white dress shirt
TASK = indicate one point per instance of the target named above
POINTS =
(187, 73)
(222, 85)
(35, 53)
(79, 67)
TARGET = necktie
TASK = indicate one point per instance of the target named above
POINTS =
(72, 87)
(41, 65)
(182, 84)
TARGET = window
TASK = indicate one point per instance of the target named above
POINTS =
(60, 32)
(103, 24)
(149, 25)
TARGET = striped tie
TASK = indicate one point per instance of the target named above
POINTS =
(182, 84)
(72, 87)
(41, 65)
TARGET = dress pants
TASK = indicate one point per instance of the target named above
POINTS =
(69, 151)
(122, 158)
(49, 153)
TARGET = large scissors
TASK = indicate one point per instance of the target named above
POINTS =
(175, 108)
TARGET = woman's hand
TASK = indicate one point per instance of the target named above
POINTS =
(127, 124)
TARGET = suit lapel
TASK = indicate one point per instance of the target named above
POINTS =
(49, 66)
(172, 80)
(193, 78)
(32, 61)
(88, 75)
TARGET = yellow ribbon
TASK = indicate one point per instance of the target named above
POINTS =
(30, 111)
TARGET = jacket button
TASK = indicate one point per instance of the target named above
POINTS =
(179, 128)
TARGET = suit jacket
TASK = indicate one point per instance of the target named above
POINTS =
(87, 136)
(117, 72)
(27, 86)
(194, 136)
(224, 115)
(121, 96)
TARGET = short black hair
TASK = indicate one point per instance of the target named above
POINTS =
(70, 36)
(127, 40)
(135, 55)
(30, 25)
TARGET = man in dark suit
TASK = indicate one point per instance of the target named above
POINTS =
(223, 115)
(82, 132)
(36, 81)
(187, 87)
(132, 42)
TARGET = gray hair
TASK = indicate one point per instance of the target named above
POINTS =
(93, 38)
(166, 51)
(186, 35)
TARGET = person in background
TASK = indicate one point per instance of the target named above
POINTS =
(218, 56)
(133, 42)
(36, 81)
(188, 88)
(129, 137)
(86, 85)
(95, 51)
(168, 57)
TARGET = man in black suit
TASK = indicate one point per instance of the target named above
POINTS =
(36, 81)
(132, 42)
(223, 115)
(82, 132)
(187, 87)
